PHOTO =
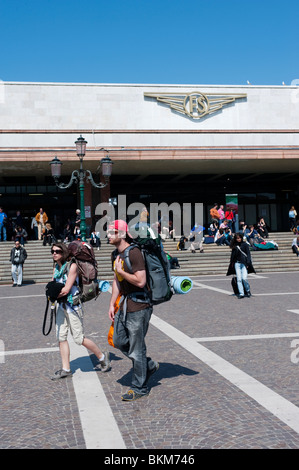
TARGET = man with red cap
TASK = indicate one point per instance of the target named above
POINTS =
(131, 321)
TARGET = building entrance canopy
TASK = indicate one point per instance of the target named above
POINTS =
(168, 141)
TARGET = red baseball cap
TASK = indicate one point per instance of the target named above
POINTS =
(120, 225)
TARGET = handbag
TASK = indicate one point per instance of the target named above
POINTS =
(111, 329)
(110, 334)
(52, 289)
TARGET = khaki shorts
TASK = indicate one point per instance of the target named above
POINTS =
(69, 320)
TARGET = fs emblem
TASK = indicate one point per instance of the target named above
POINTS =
(195, 105)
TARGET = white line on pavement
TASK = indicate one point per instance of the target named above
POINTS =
(23, 296)
(293, 311)
(257, 276)
(28, 351)
(98, 423)
(278, 293)
(223, 291)
(216, 289)
(241, 337)
(283, 409)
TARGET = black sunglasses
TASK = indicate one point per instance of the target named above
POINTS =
(58, 252)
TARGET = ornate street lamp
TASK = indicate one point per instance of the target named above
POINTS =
(78, 176)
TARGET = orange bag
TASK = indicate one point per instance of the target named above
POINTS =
(111, 329)
(110, 334)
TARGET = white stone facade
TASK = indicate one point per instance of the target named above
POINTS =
(98, 108)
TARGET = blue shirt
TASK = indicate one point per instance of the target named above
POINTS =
(2, 217)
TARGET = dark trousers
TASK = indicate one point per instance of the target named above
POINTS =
(129, 338)
(295, 249)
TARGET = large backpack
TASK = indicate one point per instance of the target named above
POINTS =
(158, 287)
(83, 255)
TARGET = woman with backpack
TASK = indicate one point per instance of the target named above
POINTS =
(69, 316)
(240, 264)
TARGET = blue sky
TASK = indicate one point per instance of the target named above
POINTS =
(150, 41)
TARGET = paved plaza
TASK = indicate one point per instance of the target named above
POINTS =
(228, 376)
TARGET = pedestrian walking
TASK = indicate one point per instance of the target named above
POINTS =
(131, 321)
(292, 217)
(215, 217)
(240, 264)
(34, 228)
(18, 255)
(69, 316)
(3, 222)
(41, 218)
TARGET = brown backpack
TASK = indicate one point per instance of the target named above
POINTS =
(83, 255)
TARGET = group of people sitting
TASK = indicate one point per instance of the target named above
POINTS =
(69, 235)
(223, 233)
(255, 233)
(257, 236)
(195, 238)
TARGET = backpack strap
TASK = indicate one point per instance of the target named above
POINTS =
(52, 316)
(127, 255)
(241, 251)
(139, 296)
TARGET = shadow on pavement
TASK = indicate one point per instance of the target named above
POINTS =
(166, 371)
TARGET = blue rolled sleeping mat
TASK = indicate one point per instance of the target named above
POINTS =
(181, 284)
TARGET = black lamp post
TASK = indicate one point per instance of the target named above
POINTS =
(78, 176)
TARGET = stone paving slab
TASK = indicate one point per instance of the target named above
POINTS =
(36, 413)
(190, 406)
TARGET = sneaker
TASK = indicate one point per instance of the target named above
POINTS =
(151, 372)
(105, 363)
(14, 285)
(240, 296)
(131, 395)
(61, 374)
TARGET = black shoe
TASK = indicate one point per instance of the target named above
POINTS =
(240, 296)
(131, 395)
(151, 372)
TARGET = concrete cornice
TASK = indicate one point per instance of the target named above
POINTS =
(146, 85)
(149, 131)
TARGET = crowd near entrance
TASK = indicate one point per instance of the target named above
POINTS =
(270, 198)
(21, 203)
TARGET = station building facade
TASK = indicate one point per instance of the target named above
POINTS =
(168, 143)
